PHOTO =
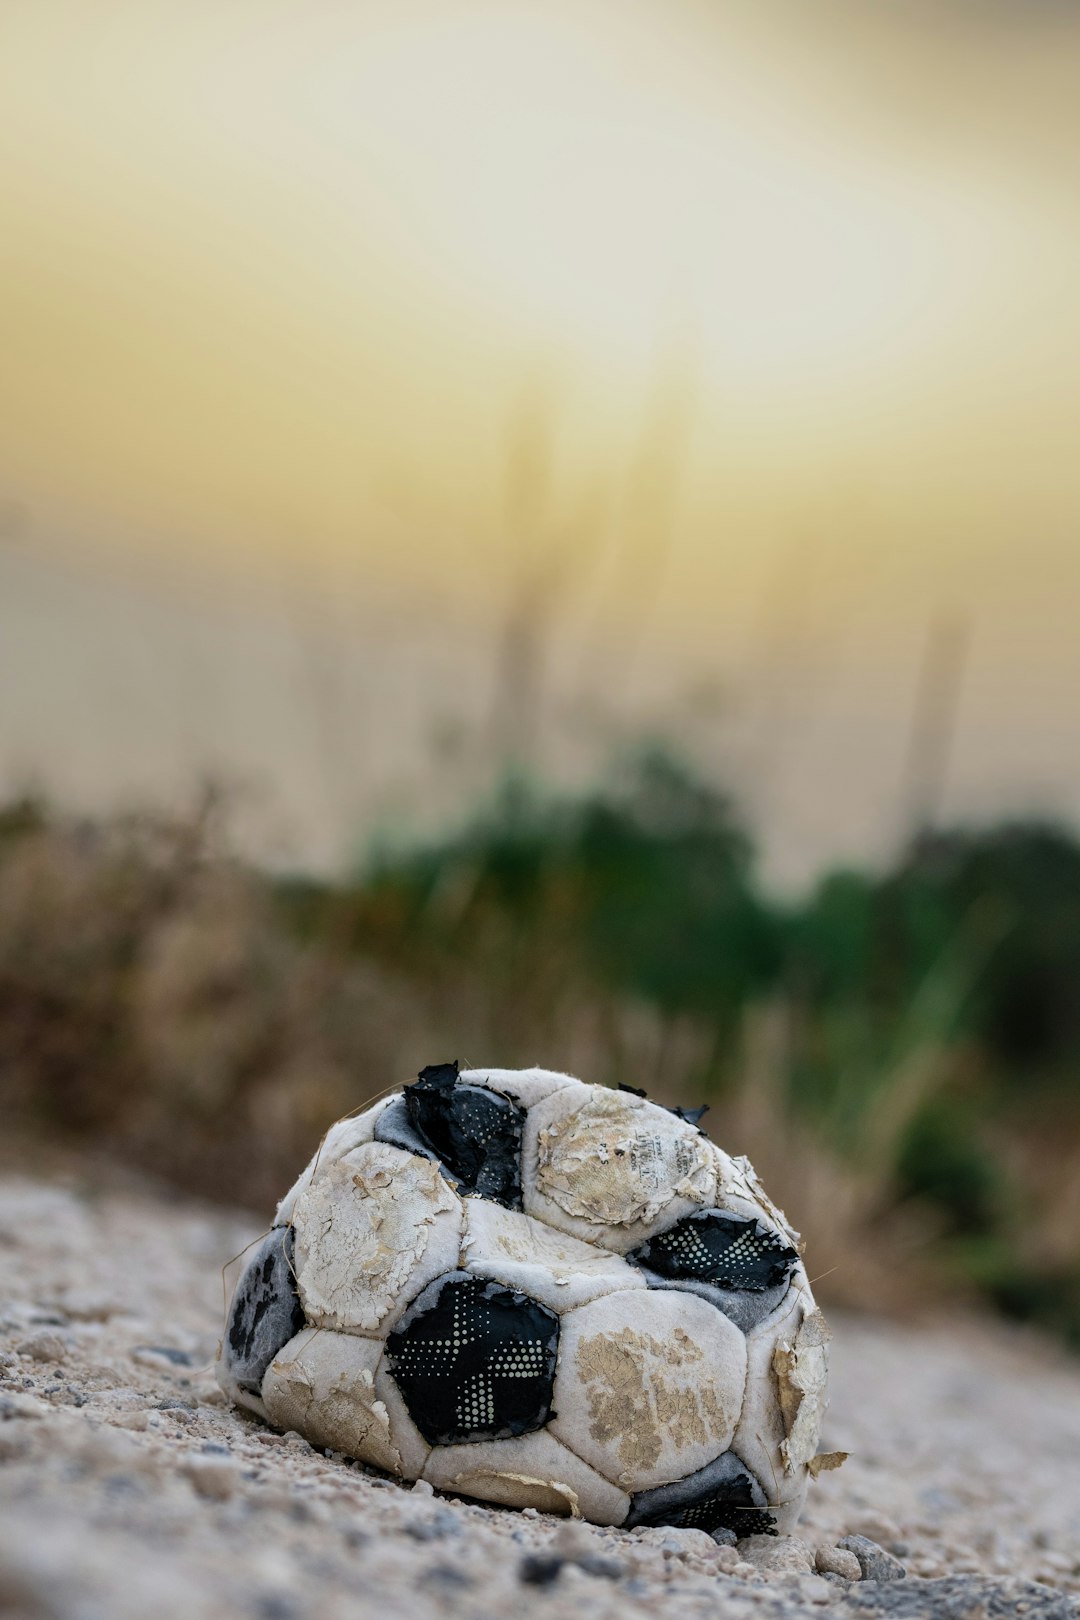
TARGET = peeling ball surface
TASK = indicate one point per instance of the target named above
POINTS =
(371, 1232)
(532, 1470)
(618, 1159)
(322, 1384)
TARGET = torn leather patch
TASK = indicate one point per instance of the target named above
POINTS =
(801, 1368)
(826, 1461)
(370, 1232)
(474, 1132)
(616, 1159)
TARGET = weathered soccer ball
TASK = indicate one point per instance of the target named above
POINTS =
(540, 1293)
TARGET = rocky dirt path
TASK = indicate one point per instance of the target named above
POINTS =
(128, 1488)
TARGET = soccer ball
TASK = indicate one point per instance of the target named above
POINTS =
(541, 1293)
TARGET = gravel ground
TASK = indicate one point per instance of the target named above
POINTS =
(128, 1488)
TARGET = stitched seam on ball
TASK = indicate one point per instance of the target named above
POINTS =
(599, 1472)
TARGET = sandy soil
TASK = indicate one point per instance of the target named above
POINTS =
(128, 1488)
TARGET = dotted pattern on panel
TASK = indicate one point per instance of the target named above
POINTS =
(721, 1496)
(727, 1511)
(477, 1362)
(727, 1251)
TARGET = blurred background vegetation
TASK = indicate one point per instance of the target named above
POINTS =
(593, 484)
(897, 1052)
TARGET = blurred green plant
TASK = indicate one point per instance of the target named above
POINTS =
(645, 888)
(912, 1013)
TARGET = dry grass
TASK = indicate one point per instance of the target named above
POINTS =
(151, 1001)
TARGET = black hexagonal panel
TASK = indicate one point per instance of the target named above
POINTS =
(474, 1132)
(474, 1360)
(266, 1311)
(724, 1250)
(723, 1495)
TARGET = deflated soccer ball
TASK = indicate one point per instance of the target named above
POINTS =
(540, 1293)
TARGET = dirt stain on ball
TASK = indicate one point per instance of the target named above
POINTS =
(639, 1412)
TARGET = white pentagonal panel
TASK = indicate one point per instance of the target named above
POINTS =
(340, 1139)
(559, 1270)
(611, 1167)
(533, 1470)
(370, 1234)
(648, 1387)
(323, 1385)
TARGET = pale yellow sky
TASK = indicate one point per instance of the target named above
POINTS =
(791, 290)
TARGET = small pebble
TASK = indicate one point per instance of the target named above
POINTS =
(17, 1405)
(43, 1347)
(674, 1542)
(212, 1477)
(841, 1561)
(874, 1562)
(446, 1575)
(777, 1555)
(148, 1354)
(572, 1540)
(423, 1530)
(540, 1569)
(604, 1568)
